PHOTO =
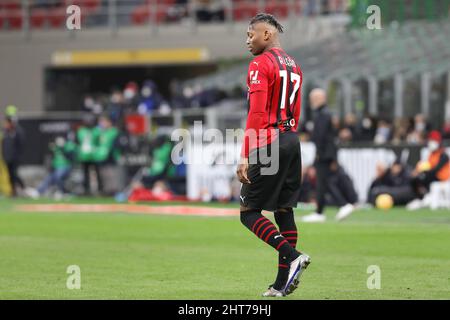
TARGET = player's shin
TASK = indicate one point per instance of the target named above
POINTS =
(286, 223)
(264, 229)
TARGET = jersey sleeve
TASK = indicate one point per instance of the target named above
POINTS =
(257, 77)
(299, 102)
(258, 83)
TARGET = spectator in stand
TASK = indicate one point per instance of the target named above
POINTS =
(205, 97)
(419, 132)
(116, 105)
(367, 131)
(337, 6)
(178, 99)
(130, 97)
(177, 11)
(188, 94)
(383, 132)
(351, 123)
(446, 130)
(335, 122)
(311, 8)
(210, 10)
(151, 99)
(401, 128)
(347, 132)
(345, 135)
(92, 106)
(196, 101)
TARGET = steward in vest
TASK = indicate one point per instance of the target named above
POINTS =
(88, 135)
(107, 151)
(436, 169)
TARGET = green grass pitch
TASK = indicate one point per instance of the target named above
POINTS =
(126, 256)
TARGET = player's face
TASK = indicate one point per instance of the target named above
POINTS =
(256, 41)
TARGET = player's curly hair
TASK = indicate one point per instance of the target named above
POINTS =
(268, 18)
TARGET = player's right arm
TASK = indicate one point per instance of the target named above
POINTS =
(257, 81)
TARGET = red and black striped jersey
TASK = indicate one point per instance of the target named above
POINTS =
(274, 98)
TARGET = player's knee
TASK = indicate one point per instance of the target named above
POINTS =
(281, 212)
(247, 214)
(243, 218)
(285, 210)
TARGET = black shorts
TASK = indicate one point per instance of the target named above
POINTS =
(278, 190)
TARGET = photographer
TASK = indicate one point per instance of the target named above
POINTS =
(63, 155)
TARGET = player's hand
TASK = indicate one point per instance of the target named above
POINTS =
(242, 171)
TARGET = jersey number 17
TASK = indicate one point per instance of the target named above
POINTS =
(294, 78)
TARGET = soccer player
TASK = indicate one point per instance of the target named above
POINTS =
(274, 81)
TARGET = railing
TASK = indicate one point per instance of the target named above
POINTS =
(28, 15)
(400, 10)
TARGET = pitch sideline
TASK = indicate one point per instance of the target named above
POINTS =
(130, 208)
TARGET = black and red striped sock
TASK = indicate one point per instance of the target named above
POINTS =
(286, 223)
(267, 232)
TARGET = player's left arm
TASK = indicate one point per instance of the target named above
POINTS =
(258, 83)
(299, 102)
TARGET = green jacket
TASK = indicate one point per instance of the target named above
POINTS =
(106, 147)
(63, 156)
(161, 160)
(88, 141)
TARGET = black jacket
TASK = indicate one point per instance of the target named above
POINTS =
(324, 136)
(12, 145)
(391, 180)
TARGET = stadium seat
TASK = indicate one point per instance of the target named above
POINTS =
(243, 10)
(87, 6)
(38, 18)
(298, 7)
(14, 19)
(12, 4)
(280, 9)
(140, 15)
(10, 13)
(143, 14)
(164, 2)
(56, 17)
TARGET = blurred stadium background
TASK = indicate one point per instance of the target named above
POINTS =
(139, 69)
(152, 66)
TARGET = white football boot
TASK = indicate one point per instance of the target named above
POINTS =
(314, 217)
(345, 211)
(271, 292)
(416, 204)
(296, 269)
